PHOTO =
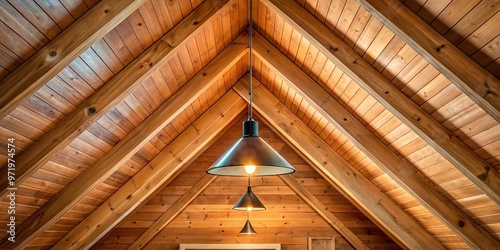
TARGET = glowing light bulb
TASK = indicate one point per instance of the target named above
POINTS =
(249, 209)
(250, 169)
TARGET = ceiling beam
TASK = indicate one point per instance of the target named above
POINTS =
(58, 205)
(475, 81)
(362, 191)
(179, 152)
(362, 209)
(447, 212)
(110, 94)
(137, 206)
(46, 63)
(480, 172)
(172, 212)
(323, 211)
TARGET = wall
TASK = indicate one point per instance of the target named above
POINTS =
(288, 220)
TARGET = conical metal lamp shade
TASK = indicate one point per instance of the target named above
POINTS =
(247, 228)
(249, 202)
(250, 150)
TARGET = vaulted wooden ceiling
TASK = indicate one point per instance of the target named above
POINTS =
(389, 110)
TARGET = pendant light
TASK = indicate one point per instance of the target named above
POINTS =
(247, 228)
(250, 150)
(249, 201)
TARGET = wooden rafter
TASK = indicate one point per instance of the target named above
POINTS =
(394, 220)
(172, 212)
(140, 204)
(104, 99)
(480, 172)
(370, 145)
(195, 138)
(323, 211)
(476, 82)
(62, 50)
(51, 211)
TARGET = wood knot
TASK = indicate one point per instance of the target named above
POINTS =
(106, 11)
(386, 92)
(461, 223)
(53, 54)
(438, 49)
(204, 74)
(91, 110)
(196, 23)
(335, 49)
(484, 175)
(345, 119)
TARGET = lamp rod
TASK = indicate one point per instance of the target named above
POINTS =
(250, 24)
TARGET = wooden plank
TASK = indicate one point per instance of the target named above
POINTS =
(369, 144)
(480, 172)
(151, 177)
(13, 18)
(271, 223)
(139, 205)
(108, 96)
(57, 12)
(327, 215)
(58, 53)
(401, 227)
(130, 144)
(172, 212)
(475, 81)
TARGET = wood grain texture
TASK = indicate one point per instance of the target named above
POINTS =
(59, 204)
(470, 26)
(172, 212)
(480, 172)
(346, 177)
(382, 155)
(146, 181)
(321, 209)
(210, 217)
(114, 91)
(58, 53)
(475, 81)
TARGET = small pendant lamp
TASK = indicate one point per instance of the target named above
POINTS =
(249, 201)
(250, 149)
(247, 228)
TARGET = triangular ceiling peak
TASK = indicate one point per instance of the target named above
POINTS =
(288, 219)
(76, 100)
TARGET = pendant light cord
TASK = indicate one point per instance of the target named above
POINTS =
(250, 24)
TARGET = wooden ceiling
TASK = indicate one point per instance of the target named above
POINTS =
(389, 110)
